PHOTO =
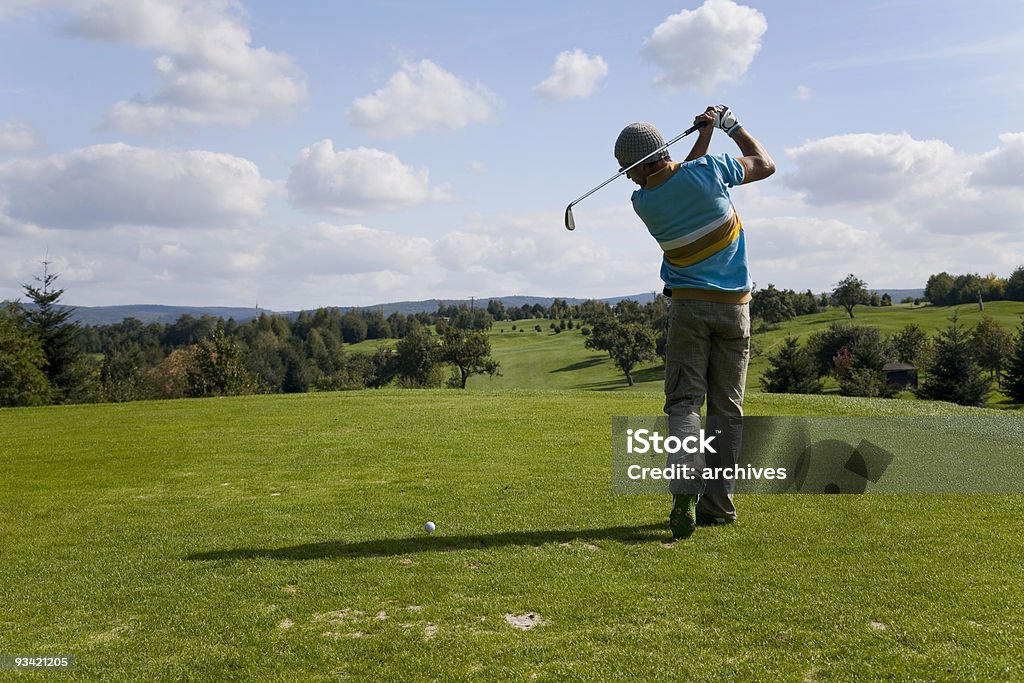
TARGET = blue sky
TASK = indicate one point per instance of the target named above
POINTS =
(307, 154)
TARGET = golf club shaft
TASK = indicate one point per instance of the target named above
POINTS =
(632, 166)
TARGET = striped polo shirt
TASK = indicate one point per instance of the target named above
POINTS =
(686, 207)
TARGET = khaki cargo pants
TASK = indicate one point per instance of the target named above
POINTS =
(706, 356)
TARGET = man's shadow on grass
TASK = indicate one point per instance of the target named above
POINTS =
(632, 535)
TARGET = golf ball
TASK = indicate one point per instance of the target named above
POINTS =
(429, 527)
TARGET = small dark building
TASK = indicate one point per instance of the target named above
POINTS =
(900, 375)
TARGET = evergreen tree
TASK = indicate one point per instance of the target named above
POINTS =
(1014, 290)
(1013, 379)
(791, 370)
(953, 374)
(51, 324)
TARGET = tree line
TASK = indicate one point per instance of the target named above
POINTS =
(944, 289)
(45, 357)
(958, 365)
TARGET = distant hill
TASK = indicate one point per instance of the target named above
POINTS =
(430, 305)
(154, 313)
(898, 295)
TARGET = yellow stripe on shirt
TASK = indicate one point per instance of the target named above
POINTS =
(708, 245)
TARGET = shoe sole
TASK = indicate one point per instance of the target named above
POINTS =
(682, 521)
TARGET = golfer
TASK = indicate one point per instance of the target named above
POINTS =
(687, 209)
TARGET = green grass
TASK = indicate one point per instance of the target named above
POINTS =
(177, 540)
(545, 360)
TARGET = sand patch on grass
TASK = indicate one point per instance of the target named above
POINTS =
(524, 622)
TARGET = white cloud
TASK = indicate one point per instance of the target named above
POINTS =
(908, 184)
(350, 181)
(118, 184)
(530, 253)
(328, 249)
(574, 74)
(715, 43)
(786, 236)
(422, 96)
(1003, 167)
(869, 168)
(17, 137)
(802, 93)
(476, 167)
(212, 75)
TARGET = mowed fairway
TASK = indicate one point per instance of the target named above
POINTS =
(545, 360)
(279, 538)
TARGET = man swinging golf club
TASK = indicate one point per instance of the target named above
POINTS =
(687, 209)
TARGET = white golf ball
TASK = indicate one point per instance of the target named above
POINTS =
(429, 527)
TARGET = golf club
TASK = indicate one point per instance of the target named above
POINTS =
(570, 224)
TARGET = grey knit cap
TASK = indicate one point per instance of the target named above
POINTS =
(636, 141)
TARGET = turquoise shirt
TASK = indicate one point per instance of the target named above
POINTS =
(692, 217)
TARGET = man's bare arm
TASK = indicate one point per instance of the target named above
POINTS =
(700, 146)
(756, 162)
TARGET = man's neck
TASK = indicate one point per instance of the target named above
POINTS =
(662, 172)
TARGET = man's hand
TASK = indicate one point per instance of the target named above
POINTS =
(707, 120)
(725, 119)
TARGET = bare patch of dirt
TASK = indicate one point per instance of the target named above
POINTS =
(524, 622)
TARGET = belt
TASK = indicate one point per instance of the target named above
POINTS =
(715, 296)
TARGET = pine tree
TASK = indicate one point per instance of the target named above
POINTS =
(50, 323)
(791, 370)
(953, 374)
(1013, 380)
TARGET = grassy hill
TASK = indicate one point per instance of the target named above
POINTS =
(544, 360)
(279, 537)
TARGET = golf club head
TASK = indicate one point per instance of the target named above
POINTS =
(570, 224)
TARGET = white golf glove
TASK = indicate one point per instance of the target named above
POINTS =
(726, 120)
